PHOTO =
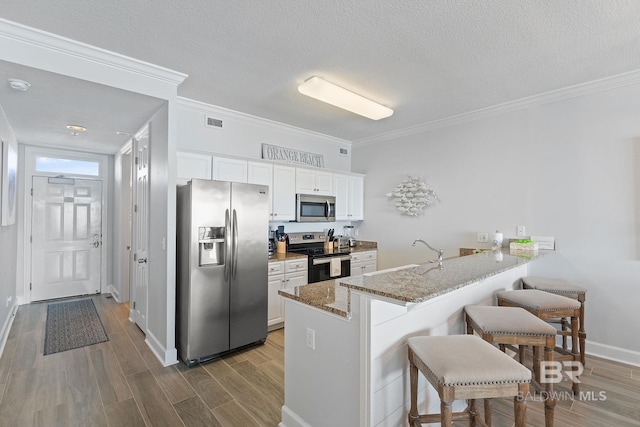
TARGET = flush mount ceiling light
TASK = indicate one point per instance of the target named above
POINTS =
(76, 128)
(327, 92)
(18, 84)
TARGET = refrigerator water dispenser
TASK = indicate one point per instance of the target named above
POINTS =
(211, 245)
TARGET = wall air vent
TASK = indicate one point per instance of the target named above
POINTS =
(344, 152)
(213, 123)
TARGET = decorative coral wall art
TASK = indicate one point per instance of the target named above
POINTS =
(412, 195)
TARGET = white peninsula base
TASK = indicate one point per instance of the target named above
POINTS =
(354, 372)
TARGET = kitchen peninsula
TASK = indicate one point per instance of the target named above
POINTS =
(345, 339)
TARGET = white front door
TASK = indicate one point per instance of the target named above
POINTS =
(140, 266)
(66, 247)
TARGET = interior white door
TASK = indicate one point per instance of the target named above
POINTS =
(140, 267)
(66, 247)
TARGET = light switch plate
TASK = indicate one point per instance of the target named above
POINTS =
(521, 231)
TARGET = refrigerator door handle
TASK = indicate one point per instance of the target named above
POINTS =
(234, 244)
(227, 244)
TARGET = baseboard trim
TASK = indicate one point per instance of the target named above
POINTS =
(6, 326)
(114, 293)
(166, 357)
(291, 419)
(615, 354)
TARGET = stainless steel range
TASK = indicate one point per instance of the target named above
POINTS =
(324, 264)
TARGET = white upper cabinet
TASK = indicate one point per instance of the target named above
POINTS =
(283, 181)
(225, 169)
(284, 193)
(262, 173)
(349, 191)
(310, 181)
(259, 173)
(192, 165)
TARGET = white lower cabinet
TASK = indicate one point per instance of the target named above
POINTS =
(283, 274)
(363, 262)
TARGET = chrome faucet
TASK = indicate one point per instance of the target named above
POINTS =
(438, 251)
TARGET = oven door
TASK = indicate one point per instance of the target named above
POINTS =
(320, 268)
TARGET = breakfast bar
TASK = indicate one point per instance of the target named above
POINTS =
(345, 339)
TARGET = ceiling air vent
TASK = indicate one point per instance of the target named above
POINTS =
(344, 152)
(213, 123)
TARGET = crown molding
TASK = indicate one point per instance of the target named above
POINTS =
(575, 91)
(62, 45)
(225, 113)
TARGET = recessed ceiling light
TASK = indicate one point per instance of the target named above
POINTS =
(76, 128)
(18, 84)
(335, 95)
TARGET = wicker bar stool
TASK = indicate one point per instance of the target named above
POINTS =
(567, 289)
(546, 306)
(515, 326)
(465, 367)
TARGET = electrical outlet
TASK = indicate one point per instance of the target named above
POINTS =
(521, 230)
(483, 237)
(311, 338)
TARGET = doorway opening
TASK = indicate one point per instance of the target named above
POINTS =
(66, 223)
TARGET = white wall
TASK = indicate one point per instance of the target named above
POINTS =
(160, 309)
(8, 244)
(122, 225)
(568, 169)
(243, 135)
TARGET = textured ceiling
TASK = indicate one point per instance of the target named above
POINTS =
(40, 115)
(425, 59)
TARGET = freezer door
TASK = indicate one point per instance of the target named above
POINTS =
(250, 222)
(203, 292)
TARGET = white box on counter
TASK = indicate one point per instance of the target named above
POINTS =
(523, 246)
(545, 242)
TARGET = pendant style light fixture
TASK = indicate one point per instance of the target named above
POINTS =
(324, 91)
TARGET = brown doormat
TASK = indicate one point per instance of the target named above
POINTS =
(72, 324)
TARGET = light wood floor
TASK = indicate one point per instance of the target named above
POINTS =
(121, 383)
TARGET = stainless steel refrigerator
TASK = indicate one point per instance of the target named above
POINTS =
(222, 251)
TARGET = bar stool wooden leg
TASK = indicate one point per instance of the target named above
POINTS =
(564, 323)
(550, 400)
(413, 381)
(488, 410)
(446, 417)
(520, 407)
(581, 331)
(473, 413)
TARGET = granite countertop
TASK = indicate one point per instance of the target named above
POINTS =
(409, 284)
(285, 256)
(426, 281)
(327, 295)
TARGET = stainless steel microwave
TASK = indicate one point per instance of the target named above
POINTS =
(311, 208)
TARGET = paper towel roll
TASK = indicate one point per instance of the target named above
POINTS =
(496, 239)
